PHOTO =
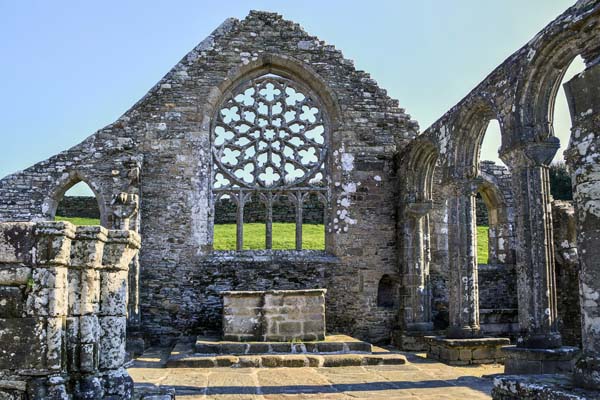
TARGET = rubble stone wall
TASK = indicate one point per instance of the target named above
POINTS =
(63, 310)
(166, 138)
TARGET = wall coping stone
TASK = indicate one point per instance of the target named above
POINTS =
(263, 256)
(470, 342)
(242, 293)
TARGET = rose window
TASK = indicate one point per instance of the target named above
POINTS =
(269, 142)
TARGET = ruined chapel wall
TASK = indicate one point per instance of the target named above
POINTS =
(176, 212)
(63, 310)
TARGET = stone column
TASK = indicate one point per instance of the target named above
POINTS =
(83, 328)
(538, 349)
(463, 287)
(417, 294)
(48, 300)
(583, 158)
(119, 250)
(534, 245)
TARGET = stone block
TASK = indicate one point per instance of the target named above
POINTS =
(14, 275)
(226, 361)
(24, 343)
(294, 361)
(113, 292)
(88, 357)
(465, 355)
(89, 329)
(465, 351)
(342, 360)
(274, 315)
(112, 342)
(538, 361)
(12, 302)
(16, 242)
(292, 329)
(55, 356)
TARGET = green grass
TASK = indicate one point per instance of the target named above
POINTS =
(482, 244)
(79, 221)
(284, 236)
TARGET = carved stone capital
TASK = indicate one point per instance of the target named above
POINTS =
(419, 209)
(533, 154)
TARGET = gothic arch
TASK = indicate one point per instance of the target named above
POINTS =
(420, 163)
(539, 83)
(67, 181)
(470, 126)
(279, 65)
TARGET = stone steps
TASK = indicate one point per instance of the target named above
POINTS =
(332, 344)
(283, 360)
(336, 351)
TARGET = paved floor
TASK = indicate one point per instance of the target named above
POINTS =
(420, 379)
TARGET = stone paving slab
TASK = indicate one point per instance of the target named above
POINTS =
(421, 379)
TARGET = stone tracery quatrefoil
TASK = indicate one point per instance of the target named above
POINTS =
(270, 132)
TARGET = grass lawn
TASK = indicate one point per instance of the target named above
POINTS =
(284, 236)
(482, 244)
(78, 220)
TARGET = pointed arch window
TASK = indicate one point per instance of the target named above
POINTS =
(269, 144)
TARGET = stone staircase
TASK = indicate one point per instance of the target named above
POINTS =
(334, 351)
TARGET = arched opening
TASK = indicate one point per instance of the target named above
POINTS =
(565, 238)
(387, 292)
(269, 145)
(79, 205)
(560, 180)
(488, 156)
(492, 140)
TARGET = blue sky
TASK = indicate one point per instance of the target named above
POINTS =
(70, 68)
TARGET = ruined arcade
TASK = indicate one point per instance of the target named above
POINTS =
(262, 123)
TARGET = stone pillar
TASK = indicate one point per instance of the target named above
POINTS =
(534, 248)
(583, 158)
(119, 250)
(48, 299)
(538, 349)
(83, 328)
(463, 289)
(416, 313)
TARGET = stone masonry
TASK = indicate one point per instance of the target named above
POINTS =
(275, 315)
(161, 150)
(63, 311)
(400, 206)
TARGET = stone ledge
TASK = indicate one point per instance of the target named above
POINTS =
(331, 344)
(520, 360)
(539, 387)
(466, 351)
(298, 292)
(284, 360)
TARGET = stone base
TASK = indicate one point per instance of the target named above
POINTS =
(412, 340)
(525, 361)
(539, 387)
(466, 351)
(331, 344)
(337, 351)
(587, 372)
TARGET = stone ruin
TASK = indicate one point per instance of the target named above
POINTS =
(261, 112)
(63, 310)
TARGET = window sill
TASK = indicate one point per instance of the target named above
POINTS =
(320, 256)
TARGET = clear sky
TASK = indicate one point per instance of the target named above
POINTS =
(70, 68)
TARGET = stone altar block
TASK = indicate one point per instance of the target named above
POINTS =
(274, 315)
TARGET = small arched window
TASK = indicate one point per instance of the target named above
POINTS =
(78, 205)
(386, 292)
(269, 146)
